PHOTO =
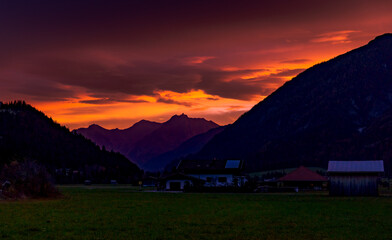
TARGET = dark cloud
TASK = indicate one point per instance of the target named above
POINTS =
(147, 46)
(263, 86)
(137, 78)
(212, 99)
(143, 78)
(228, 84)
(288, 72)
(296, 61)
(41, 90)
(110, 101)
(172, 101)
(234, 88)
(119, 82)
(218, 83)
(167, 26)
(270, 81)
(335, 37)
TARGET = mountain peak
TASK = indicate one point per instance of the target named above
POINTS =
(381, 39)
(182, 116)
(384, 36)
(143, 123)
(95, 126)
(178, 118)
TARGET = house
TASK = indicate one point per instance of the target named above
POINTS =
(215, 173)
(179, 182)
(303, 178)
(354, 178)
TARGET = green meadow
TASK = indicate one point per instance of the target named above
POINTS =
(124, 213)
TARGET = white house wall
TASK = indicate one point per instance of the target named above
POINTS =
(214, 177)
(182, 182)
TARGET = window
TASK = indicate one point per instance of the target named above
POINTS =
(222, 179)
(209, 179)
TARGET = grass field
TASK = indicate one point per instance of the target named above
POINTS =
(124, 213)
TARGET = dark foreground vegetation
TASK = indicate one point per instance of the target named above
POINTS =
(26, 180)
(121, 212)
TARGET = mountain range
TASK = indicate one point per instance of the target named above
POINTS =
(171, 159)
(336, 110)
(340, 109)
(153, 145)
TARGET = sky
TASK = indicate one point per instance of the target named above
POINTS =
(114, 63)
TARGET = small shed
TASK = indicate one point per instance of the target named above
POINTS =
(303, 178)
(354, 178)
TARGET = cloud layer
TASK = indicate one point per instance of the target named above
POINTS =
(155, 58)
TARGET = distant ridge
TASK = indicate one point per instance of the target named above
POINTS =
(116, 139)
(339, 109)
(146, 140)
(170, 159)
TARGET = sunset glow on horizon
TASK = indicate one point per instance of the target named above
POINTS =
(115, 64)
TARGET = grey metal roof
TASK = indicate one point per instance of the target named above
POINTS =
(356, 166)
(233, 163)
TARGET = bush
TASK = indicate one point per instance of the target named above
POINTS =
(26, 180)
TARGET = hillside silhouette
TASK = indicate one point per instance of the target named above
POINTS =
(339, 109)
(26, 133)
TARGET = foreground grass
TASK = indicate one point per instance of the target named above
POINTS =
(123, 213)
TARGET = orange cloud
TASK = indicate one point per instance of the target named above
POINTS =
(197, 60)
(334, 37)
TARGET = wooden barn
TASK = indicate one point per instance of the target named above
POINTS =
(354, 178)
(303, 178)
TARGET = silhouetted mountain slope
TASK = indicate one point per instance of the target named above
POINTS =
(191, 146)
(326, 112)
(146, 140)
(101, 136)
(27, 133)
(168, 136)
(119, 140)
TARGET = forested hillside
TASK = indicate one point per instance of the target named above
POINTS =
(26, 133)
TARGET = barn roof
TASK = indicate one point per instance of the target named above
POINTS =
(356, 166)
(303, 174)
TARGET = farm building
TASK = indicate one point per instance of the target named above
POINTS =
(179, 182)
(354, 178)
(303, 178)
(215, 173)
